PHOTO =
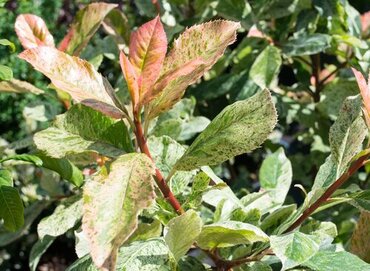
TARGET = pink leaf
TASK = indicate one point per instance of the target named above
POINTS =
(365, 22)
(75, 76)
(32, 31)
(84, 27)
(198, 48)
(131, 79)
(148, 48)
(364, 88)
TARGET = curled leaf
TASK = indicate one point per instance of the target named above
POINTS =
(32, 31)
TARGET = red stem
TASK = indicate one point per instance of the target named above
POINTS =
(161, 182)
(329, 192)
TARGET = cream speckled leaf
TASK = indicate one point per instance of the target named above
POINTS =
(86, 23)
(294, 248)
(347, 133)
(18, 86)
(112, 203)
(74, 76)
(197, 50)
(360, 241)
(64, 217)
(32, 31)
(239, 128)
(182, 232)
(229, 233)
(82, 129)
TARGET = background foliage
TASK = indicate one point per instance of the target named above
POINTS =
(300, 49)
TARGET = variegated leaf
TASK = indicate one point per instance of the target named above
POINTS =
(74, 76)
(239, 128)
(18, 86)
(32, 31)
(148, 47)
(206, 43)
(112, 203)
(84, 27)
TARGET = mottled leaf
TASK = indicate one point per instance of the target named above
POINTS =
(347, 133)
(239, 128)
(229, 233)
(86, 23)
(64, 217)
(82, 129)
(182, 232)
(192, 54)
(265, 68)
(75, 76)
(32, 31)
(307, 45)
(294, 248)
(149, 255)
(18, 86)
(336, 261)
(112, 203)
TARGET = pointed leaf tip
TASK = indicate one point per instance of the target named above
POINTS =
(32, 31)
(148, 47)
(364, 89)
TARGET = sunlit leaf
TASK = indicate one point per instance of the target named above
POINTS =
(74, 76)
(239, 128)
(192, 54)
(32, 31)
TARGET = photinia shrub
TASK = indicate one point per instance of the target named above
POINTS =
(148, 200)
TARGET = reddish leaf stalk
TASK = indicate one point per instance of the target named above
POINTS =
(329, 192)
(160, 180)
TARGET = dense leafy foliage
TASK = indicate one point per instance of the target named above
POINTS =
(200, 135)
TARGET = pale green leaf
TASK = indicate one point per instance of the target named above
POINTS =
(112, 203)
(37, 250)
(239, 128)
(6, 42)
(266, 67)
(6, 178)
(307, 45)
(230, 233)
(82, 129)
(149, 255)
(182, 232)
(64, 217)
(6, 73)
(146, 231)
(165, 152)
(294, 248)
(275, 176)
(24, 157)
(336, 261)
